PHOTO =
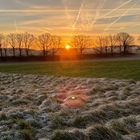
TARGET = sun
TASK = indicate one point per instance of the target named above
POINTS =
(67, 47)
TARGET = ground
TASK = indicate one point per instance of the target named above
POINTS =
(44, 101)
(43, 107)
(120, 69)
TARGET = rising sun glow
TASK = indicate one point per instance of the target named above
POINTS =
(67, 47)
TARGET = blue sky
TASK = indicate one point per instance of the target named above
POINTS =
(65, 17)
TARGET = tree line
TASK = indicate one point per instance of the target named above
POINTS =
(27, 41)
(110, 44)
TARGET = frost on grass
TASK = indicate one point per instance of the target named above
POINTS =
(56, 108)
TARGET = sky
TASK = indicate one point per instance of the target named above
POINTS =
(67, 17)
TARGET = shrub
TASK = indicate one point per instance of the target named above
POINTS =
(130, 123)
(99, 132)
(119, 127)
(57, 122)
(61, 135)
(65, 135)
(22, 124)
(3, 116)
(79, 122)
(28, 134)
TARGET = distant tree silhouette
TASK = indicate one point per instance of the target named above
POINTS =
(138, 39)
(112, 43)
(12, 42)
(102, 45)
(99, 45)
(19, 43)
(81, 42)
(55, 44)
(1, 43)
(28, 41)
(5, 46)
(44, 42)
(124, 41)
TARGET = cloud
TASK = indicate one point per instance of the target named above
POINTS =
(61, 15)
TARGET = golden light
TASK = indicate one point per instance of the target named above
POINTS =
(73, 98)
(67, 47)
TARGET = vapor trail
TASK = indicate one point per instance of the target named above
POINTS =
(123, 4)
(66, 8)
(123, 14)
(79, 13)
(98, 12)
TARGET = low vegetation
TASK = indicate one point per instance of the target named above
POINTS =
(109, 69)
(111, 112)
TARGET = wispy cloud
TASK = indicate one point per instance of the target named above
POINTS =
(62, 16)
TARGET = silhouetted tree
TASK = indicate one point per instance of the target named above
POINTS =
(99, 45)
(12, 42)
(112, 43)
(27, 41)
(81, 42)
(138, 39)
(44, 42)
(1, 43)
(124, 41)
(55, 44)
(5, 46)
(19, 42)
(105, 44)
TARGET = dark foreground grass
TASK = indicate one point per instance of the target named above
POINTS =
(128, 69)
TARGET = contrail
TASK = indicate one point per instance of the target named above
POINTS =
(79, 13)
(119, 18)
(123, 4)
(98, 12)
(66, 8)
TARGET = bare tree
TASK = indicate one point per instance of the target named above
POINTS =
(1, 43)
(81, 42)
(55, 44)
(112, 43)
(19, 42)
(27, 41)
(44, 42)
(12, 42)
(99, 45)
(138, 39)
(124, 40)
(5, 46)
(106, 44)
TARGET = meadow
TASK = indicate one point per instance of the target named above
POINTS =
(118, 69)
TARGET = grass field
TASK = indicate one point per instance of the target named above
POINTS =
(127, 69)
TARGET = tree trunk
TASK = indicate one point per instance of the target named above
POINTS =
(112, 49)
(106, 50)
(125, 49)
(1, 51)
(53, 52)
(5, 52)
(27, 52)
(14, 53)
(81, 51)
(44, 52)
(120, 49)
(20, 52)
